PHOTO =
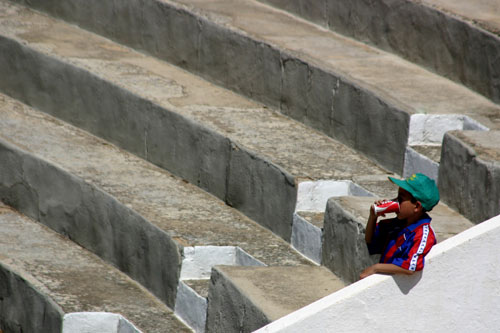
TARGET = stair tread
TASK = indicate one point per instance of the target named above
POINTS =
(485, 13)
(432, 152)
(302, 152)
(278, 291)
(199, 286)
(413, 88)
(189, 215)
(75, 279)
(486, 145)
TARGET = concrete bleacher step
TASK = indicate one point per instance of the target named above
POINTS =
(344, 246)
(351, 91)
(47, 280)
(243, 299)
(126, 210)
(253, 158)
(423, 153)
(469, 175)
(425, 98)
(456, 38)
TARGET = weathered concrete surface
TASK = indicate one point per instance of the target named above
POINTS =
(469, 175)
(91, 218)
(344, 247)
(45, 276)
(457, 39)
(23, 308)
(339, 80)
(117, 205)
(243, 153)
(243, 299)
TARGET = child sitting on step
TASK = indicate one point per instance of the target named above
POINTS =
(404, 241)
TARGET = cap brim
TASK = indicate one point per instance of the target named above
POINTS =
(402, 183)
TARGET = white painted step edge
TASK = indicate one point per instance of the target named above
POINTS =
(97, 322)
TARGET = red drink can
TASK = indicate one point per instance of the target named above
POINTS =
(386, 207)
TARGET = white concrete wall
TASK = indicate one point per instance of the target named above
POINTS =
(416, 162)
(458, 291)
(199, 260)
(429, 129)
(96, 322)
(313, 195)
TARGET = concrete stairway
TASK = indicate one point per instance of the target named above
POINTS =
(47, 279)
(124, 209)
(275, 170)
(457, 39)
(315, 76)
(238, 150)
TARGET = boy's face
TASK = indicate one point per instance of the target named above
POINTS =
(407, 208)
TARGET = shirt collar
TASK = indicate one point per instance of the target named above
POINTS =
(425, 219)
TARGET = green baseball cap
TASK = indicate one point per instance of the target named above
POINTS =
(421, 188)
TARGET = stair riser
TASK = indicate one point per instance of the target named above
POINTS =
(332, 104)
(91, 218)
(229, 309)
(23, 308)
(466, 182)
(344, 247)
(246, 181)
(433, 39)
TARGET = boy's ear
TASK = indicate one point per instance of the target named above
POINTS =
(418, 205)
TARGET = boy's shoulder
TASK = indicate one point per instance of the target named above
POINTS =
(424, 220)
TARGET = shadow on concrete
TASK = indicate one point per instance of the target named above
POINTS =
(406, 283)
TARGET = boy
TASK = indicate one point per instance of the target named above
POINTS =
(404, 241)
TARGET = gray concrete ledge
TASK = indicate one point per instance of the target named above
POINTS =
(23, 308)
(243, 299)
(194, 152)
(344, 248)
(91, 218)
(469, 174)
(242, 178)
(63, 278)
(451, 39)
(190, 216)
(330, 102)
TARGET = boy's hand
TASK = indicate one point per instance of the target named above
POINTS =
(372, 209)
(367, 272)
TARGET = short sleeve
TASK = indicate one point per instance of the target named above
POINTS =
(415, 249)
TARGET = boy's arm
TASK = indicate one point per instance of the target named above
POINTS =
(384, 269)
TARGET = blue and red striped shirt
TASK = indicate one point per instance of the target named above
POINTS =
(403, 246)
